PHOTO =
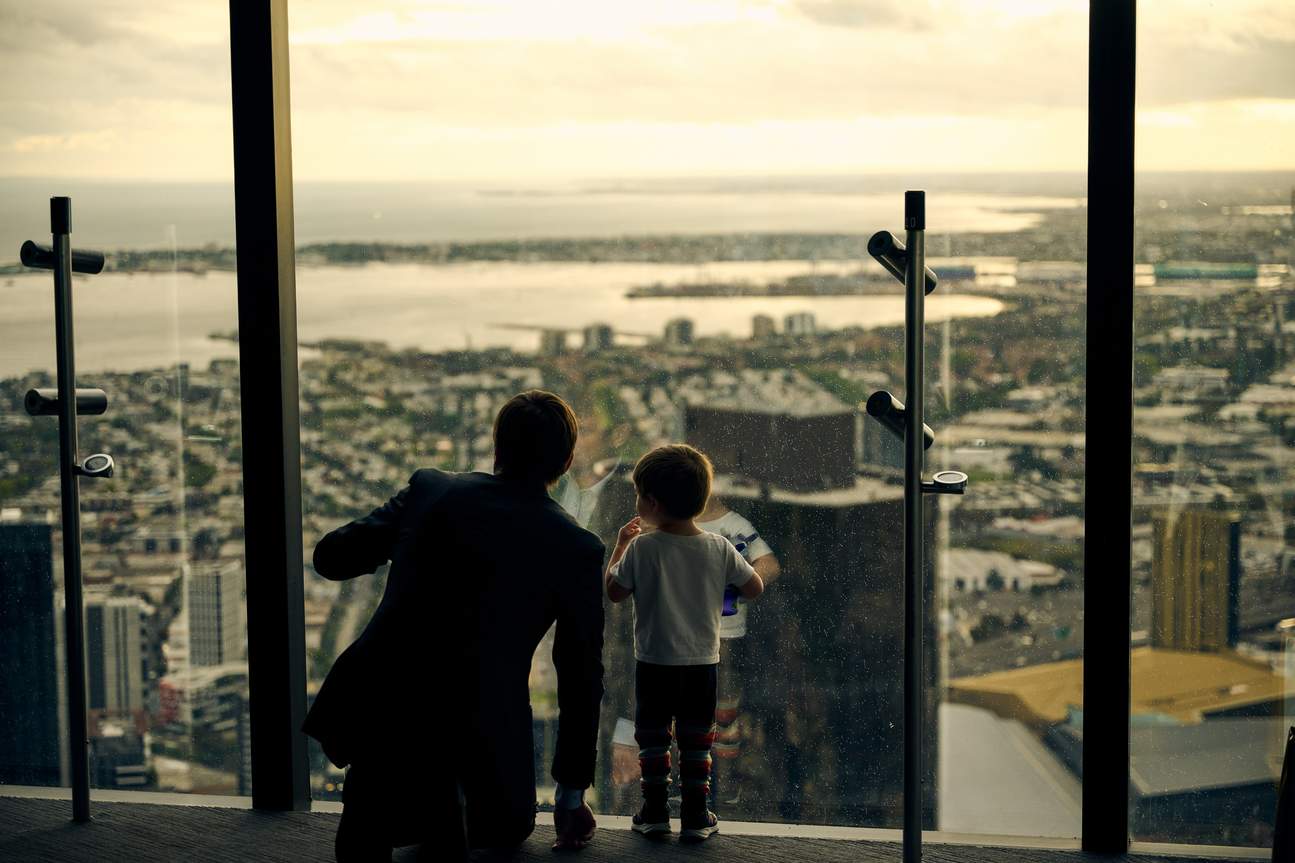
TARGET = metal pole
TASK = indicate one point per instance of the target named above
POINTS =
(60, 212)
(914, 444)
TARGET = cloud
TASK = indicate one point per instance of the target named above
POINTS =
(963, 77)
(883, 14)
(101, 140)
(1185, 70)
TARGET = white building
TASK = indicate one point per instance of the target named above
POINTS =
(114, 639)
(215, 601)
(971, 569)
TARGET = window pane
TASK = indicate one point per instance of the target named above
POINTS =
(1212, 465)
(125, 108)
(661, 212)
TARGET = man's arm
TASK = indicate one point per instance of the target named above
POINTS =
(743, 575)
(767, 567)
(365, 544)
(577, 657)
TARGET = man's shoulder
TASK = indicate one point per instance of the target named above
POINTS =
(582, 540)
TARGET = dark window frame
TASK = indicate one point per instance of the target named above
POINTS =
(267, 326)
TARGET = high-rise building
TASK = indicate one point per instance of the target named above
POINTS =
(826, 707)
(30, 753)
(763, 327)
(799, 324)
(114, 647)
(216, 613)
(678, 332)
(598, 337)
(775, 427)
(1195, 578)
(553, 343)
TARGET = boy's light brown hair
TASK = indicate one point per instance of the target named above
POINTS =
(678, 477)
(535, 435)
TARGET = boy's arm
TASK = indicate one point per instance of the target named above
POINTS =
(616, 591)
(365, 544)
(577, 657)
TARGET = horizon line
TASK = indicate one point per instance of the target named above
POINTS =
(658, 177)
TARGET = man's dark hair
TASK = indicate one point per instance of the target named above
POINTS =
(678, 477)
(535, 435)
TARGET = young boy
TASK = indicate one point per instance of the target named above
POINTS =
(677, 574)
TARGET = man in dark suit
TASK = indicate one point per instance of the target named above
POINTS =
(430, 706)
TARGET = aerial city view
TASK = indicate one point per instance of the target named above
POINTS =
(758, 348)
(661, 212)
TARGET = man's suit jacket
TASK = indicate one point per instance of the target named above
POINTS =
(437, 685)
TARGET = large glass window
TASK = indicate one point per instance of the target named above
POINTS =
(124, 107)
(1212, 576)
(661, 211)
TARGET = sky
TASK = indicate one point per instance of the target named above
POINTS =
(535, 90)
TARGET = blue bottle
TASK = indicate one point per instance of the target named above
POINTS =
(730, 601)
(730, 592)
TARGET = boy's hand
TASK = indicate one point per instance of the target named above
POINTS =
(631, 529)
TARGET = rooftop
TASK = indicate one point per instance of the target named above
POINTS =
(1183, 685)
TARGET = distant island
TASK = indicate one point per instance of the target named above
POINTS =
(860, 283)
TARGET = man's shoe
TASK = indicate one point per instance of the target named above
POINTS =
(575, 827)
(698, 827)
(652, 820)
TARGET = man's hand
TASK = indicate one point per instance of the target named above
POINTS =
(631, 529)
(575, 827)
(625, 764)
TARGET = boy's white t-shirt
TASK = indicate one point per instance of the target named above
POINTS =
(678, 584)
(737, 530)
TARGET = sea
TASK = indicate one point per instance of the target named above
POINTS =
(126, 322)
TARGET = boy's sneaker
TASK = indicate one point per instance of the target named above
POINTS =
(652, 820)
(699, 826)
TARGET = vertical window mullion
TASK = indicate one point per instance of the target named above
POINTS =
(1108, 426)
(271, 444)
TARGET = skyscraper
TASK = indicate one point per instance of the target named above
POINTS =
(216, 613)
(1195, 578)
(824, 699)
(799, 324)
(29, 673)
(114, 654)
(598, 337)
(678, 332)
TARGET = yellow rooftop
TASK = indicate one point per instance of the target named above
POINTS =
(1185, 685)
